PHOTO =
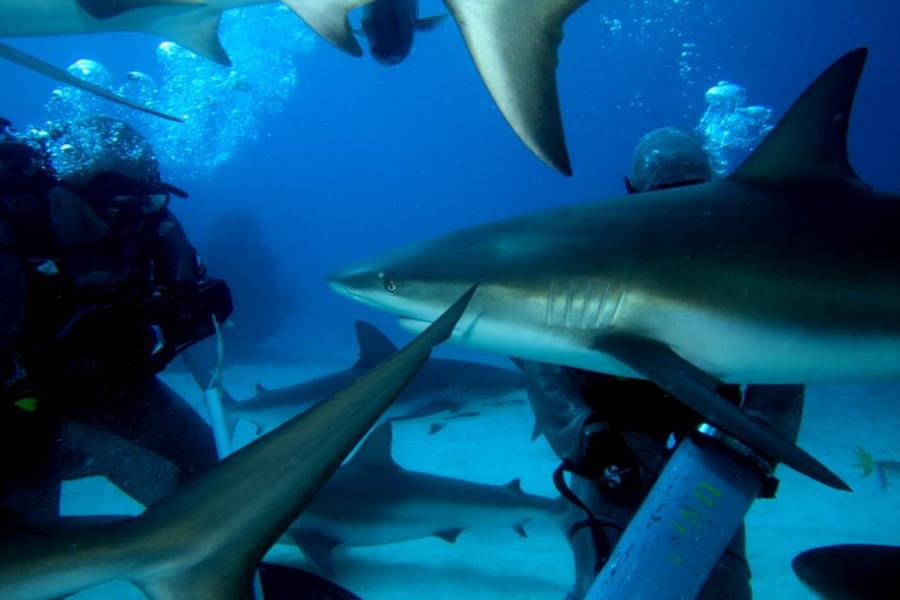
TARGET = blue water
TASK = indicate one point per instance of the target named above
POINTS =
(345, 158)
(360, 157)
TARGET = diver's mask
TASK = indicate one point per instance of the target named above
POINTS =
(127, 202)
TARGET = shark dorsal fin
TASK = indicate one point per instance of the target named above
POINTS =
(374, 346)
(261, 389)
(375, 452)
(809, 144)
(515, 486)
(514, 44)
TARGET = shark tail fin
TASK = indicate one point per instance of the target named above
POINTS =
(197, 30)
(374, 346)
(330, 20)
(39, 66)
(518, 65)
(809, 143)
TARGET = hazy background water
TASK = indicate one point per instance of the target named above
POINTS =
(362, 157)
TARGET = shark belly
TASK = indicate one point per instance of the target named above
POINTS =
(730, 347)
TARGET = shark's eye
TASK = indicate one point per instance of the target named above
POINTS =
(390, 286)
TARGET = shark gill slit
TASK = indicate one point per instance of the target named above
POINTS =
(570, 292)
(549, 317)
(585, 307)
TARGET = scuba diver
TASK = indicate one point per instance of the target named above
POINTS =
(615, 436)
(100, 289)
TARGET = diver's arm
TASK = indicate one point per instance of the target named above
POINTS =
(177, 262)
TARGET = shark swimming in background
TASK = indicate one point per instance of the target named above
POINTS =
(206, 539)
(513, 43)
(443, 385)
(390, 26)
(785, 272)
(403, 505)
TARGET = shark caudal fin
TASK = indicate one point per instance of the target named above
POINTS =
(39, 66)
(205, 540)
(329, 18)
(374, 346)
(514, 44)
(104, 9)
(809, 143)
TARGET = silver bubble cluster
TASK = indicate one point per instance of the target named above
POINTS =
(223, 107)
(729, 130)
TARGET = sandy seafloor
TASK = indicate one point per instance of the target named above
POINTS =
(495, 448)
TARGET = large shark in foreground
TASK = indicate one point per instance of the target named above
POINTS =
(514, 44)
(205, 540)
(403, 505)
(443, 385)
(390, 27)
(787, 271)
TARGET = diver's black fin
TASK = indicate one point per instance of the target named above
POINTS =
(281, 582)
(697, 389)
(374, 346)
(809, 144)
(851, 571)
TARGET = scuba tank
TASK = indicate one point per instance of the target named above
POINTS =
(686, 522)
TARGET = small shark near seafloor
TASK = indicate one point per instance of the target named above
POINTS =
(372, 500)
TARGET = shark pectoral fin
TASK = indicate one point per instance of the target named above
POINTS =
(436, 428)
(449, 535)
(809, 143)
(697, 389)
(329, 19)
(104, 9)
(39, 66)
(196, 30)
(374, 346)
(318, 548)
(519, 528)
(281, 581)
(514, 45)
(536, 430)
(430, 23)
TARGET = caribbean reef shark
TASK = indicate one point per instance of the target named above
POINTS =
(206, 539)
(850, 572)
(785, 272)
(403, 505)
(442, 385)
(514, 44)
(390, 27)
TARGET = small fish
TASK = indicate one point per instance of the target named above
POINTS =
(882, 467)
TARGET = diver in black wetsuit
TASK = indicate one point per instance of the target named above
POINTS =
(100, 289)
(615, 435)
